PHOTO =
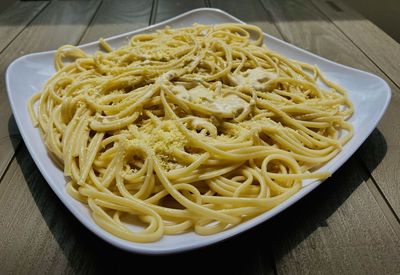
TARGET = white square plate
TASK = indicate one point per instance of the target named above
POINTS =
(27, 75)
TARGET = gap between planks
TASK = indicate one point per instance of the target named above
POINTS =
(16, 139)
(377, 190)
(390, 132)
(25, 24)
(380, 48)
(228, 248)
(357, 46)
(14, 11)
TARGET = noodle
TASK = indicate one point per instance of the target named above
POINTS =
(199, 128)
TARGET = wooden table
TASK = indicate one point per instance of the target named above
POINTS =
(350, 224)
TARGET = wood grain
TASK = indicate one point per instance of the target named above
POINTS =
(385, 53)
(250, 263)
(345, 226)
(251, 12)
(306, 27)
(60, 23)
(165, 9)
(39, 234)
(308, 247)
(63, 236)
(14, 19)
(35, 227)
(383, 50)
(340, 228)
(116, 17)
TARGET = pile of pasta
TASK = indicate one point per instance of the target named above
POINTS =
(192, 129)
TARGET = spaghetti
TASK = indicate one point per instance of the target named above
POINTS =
(199, 128)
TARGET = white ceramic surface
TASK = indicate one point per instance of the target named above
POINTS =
(27, 74)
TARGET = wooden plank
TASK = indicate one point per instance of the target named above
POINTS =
(116, 17)
(304, 26)
(60, 23)
(14, 19)
(383, 50)
(100, 253)
(289, 265)
(251, 263)
(165, 9)
(251, 12)
(307, 248)
(35, 227)
(29, 198)
(338, 229)
(39, 234)
(82, 248)
(385, 53)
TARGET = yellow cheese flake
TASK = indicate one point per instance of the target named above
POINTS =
(163, 141)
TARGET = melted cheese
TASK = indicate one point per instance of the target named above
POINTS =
(231, 104)
(255, 78)
(198, 94)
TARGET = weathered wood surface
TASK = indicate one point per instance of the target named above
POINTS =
(14, 19)
(116, 17)
(165, 9)
(383, 50)
(303, 25)
(60, 23)
(347, 225)
(383, 59)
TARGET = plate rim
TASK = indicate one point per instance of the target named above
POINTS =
(212, 239)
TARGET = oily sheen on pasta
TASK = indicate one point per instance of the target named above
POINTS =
(193, 129)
